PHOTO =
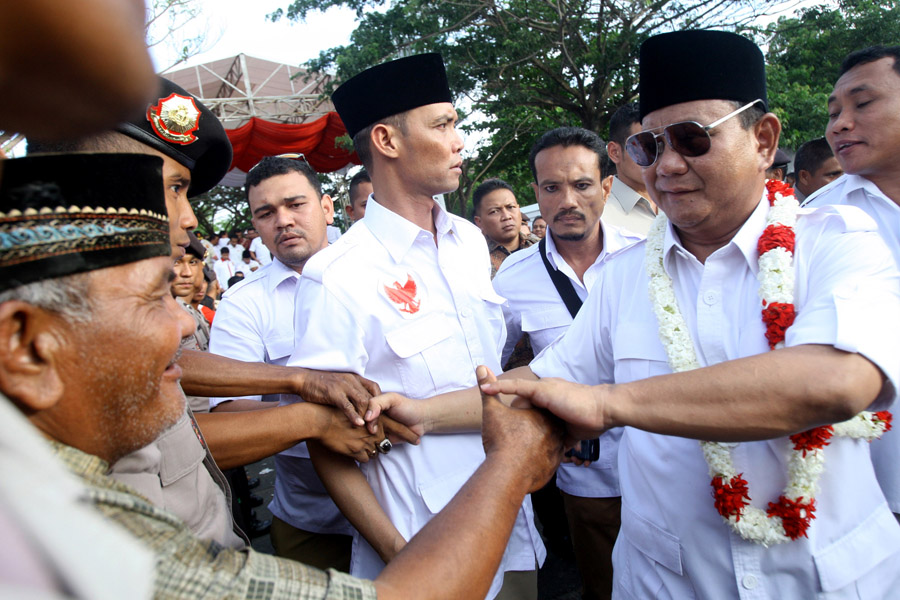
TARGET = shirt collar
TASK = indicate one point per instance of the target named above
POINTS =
(745, 239)
(611, 243)
(627, 197)
(857, 182)
(398, 234)
(84, 464)
(277, 272)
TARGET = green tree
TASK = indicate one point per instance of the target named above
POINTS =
(522, 65)
(222, 208)
(805, 54)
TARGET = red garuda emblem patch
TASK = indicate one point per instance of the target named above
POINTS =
(404, 295)
(175, 119)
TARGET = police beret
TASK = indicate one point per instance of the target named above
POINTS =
(195, 247)
(57, 220)
(390, 89)
(699, 65)
(181, 127)
(781, 159)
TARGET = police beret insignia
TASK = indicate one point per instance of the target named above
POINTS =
(175, 118)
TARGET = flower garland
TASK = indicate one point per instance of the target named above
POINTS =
(789, 517)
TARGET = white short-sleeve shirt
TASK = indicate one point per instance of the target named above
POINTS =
(254, 323)
(533, 306)
(385, 301)
(857, 191)
(261, 251)
(672, 542)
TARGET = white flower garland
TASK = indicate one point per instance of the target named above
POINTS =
(776, 278)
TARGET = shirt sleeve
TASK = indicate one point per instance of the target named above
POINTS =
(233, 336)
(851, 296)
(327, 336)
(583, 354)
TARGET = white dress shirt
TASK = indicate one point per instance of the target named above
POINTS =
(626, 208)
(246, 267)
(673, 543)
(262, 253)
(224, 270)
(860, 192)
(535, 307)
(387, 303)
(252, 324)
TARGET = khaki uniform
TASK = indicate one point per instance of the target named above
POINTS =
(198, 341)
(177, 473)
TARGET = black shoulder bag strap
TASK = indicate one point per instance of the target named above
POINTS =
(561, 282)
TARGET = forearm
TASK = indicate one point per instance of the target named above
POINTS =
(240, 438)
(447, 560)
(354, 497)
(460, 411)
(760, 397)
(207, 374)
(242, 405)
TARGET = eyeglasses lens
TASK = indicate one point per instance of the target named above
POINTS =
(688, 138)
(642, 148)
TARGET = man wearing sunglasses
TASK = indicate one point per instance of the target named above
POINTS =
(864, 133)
(676, 323)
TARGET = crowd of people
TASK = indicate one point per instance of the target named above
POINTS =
(687, 371)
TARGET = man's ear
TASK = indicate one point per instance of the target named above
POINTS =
(477, 220)
(803, 177)
(606, 186)
(385, 140)
(328, 208)
(614, 151)
(29, 343)
(767, 131)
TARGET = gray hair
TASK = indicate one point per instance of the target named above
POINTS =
(66, 296)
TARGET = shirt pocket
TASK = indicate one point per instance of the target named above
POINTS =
(422, 349)
(180, 452)
(279, 350)
(493, 305)
(438, 493)
(638, 353)
(545, 318)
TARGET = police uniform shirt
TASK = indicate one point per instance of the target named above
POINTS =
(250, 326)
(536, 308)
(389, 304)
(673, 541)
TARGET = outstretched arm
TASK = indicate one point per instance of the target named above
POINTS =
(207, 374)
(759, 397)
(349, 489)
(457, 554)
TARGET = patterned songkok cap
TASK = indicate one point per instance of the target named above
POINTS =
(62, 214)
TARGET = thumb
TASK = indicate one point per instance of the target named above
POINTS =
(484, 375)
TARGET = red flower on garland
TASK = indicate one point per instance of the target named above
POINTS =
(773, 186)
(795, 515)
(730, 497)
(777, 316)
(885, 416)
(776, 236)
(812, 439)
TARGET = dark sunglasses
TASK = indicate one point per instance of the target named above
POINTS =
(687, 138)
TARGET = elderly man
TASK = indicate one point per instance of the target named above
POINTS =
(864, 132)
(545, 287)
(677, 324)
(429, 313)
(97, 295)
(178, 471)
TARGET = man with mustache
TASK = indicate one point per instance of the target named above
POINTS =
(544, 286)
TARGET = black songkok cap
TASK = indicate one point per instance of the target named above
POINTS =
(182, 128)
(391, 88)
(700, 65)
(57, 220)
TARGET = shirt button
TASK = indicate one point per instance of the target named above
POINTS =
(749, 582)
(465, 313)
(711, 297)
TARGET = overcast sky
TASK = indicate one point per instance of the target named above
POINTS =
(237, 26)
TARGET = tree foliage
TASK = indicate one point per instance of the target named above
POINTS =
(805, 53)
(222, 208)
(522, 65)
(179, 25)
